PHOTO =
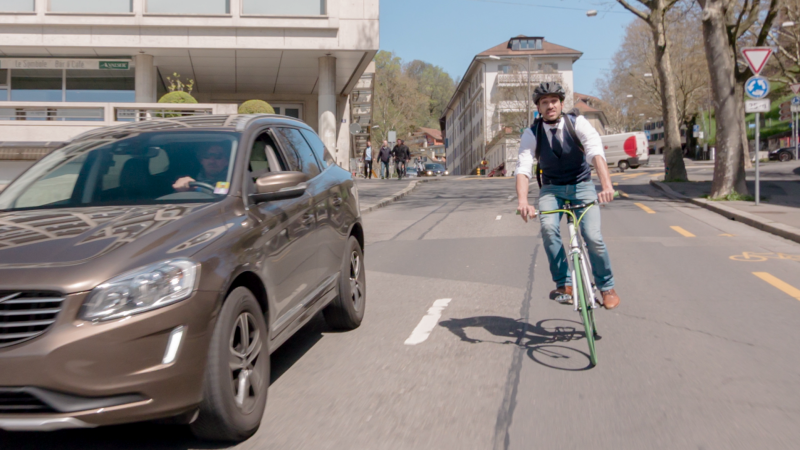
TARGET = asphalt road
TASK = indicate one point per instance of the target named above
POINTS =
(700, 353)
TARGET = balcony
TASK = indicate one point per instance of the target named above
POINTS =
(510, 106)
(521, 78)
(38, 122)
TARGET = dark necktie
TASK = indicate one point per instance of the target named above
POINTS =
(557, 149)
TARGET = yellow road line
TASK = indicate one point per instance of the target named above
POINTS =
(622, 194)
(727, 235)
(645, 208)
(615, 184)
(628, 177)
(682, 231)
(780, 284)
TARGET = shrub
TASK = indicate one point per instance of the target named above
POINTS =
(177, 97)
(256, 107)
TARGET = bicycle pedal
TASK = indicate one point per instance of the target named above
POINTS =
(564, 299)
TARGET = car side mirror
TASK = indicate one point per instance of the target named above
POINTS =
(279, 186)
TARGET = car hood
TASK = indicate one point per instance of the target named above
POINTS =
(76, 246)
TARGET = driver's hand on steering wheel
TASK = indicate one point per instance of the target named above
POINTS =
(182, 185)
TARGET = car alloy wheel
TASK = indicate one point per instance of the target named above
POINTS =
(245, 347)
(784, 157)
(355, 284)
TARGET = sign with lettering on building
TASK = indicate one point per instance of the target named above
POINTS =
(64, 63)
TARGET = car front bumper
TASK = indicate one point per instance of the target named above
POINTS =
(81, 375)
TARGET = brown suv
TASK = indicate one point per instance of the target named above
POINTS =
(148, 270)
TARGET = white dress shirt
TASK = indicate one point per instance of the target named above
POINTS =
(585, 131)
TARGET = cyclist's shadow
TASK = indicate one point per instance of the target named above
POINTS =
(544, 341)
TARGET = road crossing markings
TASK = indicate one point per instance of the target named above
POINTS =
(498, 217)
(426, 325)
(682, 231)
(780, 284)
(645, 208)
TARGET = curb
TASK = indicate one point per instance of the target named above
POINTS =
(393, 198)
(770, 226)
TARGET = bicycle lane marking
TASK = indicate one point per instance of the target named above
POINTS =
(645, 208)
(779, 284)
(428, 322)
(682, 231)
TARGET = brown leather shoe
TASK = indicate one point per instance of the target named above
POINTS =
(562, 295)
(610, 299)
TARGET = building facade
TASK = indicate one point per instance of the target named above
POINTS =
(71, 65)
(492, 105)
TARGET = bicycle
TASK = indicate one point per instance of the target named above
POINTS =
(581, 270)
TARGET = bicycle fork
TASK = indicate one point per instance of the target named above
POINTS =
(574, 247)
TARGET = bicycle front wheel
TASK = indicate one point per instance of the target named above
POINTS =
(586, 314)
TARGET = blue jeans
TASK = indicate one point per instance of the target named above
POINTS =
(385, 169)
(552, 197)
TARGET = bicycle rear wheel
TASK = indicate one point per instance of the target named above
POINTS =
(586, 314)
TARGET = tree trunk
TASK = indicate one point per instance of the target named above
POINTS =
(743, 126)
(674, 168)
(729, 174)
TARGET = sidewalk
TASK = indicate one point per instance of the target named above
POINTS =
(778, 213)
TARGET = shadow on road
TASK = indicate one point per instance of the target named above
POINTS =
(152, 436)
(544, 341)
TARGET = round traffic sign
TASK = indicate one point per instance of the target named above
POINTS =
(796, 100)
(756, 87)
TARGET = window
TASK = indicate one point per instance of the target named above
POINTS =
(289, 109)
(525, 44)
(264, 158)
(91, 6)
(37, 85)
(548, 67)
(320, 151)
(17, 5)
(115, 86)
(284, 8)
(294, 140)
(3, 85)
(188, 7)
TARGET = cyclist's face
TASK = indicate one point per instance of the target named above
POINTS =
(550, 107)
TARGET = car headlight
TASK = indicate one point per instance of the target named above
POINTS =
(430, 173)
(145, 289)
(446, 172)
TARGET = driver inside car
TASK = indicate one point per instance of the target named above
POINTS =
(214, 162)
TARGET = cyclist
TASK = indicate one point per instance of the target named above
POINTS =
(564, 152)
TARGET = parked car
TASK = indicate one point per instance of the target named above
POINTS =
(626, 150)
(782, 154)
(411, 171)
(148, 271)
(434, 170)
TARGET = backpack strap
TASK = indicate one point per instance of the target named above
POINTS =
(569, 123)
(535, 129)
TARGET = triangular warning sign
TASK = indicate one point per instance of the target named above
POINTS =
(757, 57)
(795, 87)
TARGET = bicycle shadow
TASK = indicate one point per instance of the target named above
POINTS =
(544, 341)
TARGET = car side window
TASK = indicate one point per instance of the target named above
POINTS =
(264, 158)
(293, 139)
(320, 151)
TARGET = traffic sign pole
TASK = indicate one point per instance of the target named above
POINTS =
(758, 149)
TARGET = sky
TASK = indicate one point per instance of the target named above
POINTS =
(449, 33)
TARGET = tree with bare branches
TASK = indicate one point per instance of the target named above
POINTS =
(728, 25)
(655, 15)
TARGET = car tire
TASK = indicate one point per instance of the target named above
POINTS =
(224, 415)
(784, 156)
(347, 310)
(623, 166)
(634, 167)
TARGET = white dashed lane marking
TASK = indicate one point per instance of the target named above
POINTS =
(426, 325)
(498, 217)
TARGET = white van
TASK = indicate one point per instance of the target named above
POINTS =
(626, 150)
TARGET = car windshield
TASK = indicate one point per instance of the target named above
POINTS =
(133, 169)
(437, 167)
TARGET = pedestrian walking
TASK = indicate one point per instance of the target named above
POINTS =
(367, 159)
(385, 155)
(401, 156)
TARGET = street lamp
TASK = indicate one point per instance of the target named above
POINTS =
(591, 13)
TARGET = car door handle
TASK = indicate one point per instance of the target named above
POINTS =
(337, 201)
(308, 219)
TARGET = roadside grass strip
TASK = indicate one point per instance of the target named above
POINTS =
(780, 284)
(426, 325)
(682, 231)
(645, 208)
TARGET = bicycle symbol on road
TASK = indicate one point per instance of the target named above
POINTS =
(761, 257)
